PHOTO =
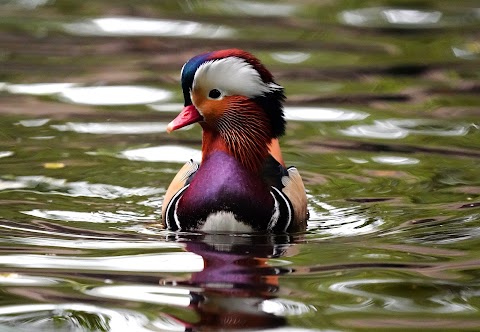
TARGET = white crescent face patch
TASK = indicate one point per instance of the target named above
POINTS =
(232, 76)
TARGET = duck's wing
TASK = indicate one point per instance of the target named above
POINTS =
(294, 189)
(182, 179)
(291, 211)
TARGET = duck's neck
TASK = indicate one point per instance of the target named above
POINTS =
(248, 143)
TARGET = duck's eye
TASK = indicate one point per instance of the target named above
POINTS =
(214, 94)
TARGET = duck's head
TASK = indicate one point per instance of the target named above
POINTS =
(235, 100)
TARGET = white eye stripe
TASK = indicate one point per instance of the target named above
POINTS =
(232, 76)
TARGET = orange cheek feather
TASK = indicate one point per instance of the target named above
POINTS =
(211, 109)
(214, 109)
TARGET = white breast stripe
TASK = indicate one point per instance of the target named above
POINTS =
(174, 198)
(287, 203)
(275, 214)
(175, 216)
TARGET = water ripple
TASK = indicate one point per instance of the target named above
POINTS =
(113, 95)
(139, 26)
(37, 89)
(14, 279)
(441, 296)
(322, 114)
(33, 122)
(46, 184)
(410, 324)
(405, 18)
(256, 8)
(379, 129)
(447, 231)
(166, 107)
(468, 51)
(430, 127)
(185, 262)
(70, 317)
(395, 160)
(4, 154)
(51, 235)
(149, 294)
(290, 57)
(375, 17)
(401, 128)
(117, 128)
(25, 4)
(348, 221)
(165, 153)
(284, 307)
(96, 244)
(93, 217)
(92, 95)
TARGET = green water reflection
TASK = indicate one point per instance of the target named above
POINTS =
(384, 127)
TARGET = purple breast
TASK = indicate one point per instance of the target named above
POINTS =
(223, 184)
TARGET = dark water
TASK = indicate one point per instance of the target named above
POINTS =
(384, 116)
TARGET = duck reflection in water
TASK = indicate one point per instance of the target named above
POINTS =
(237, 283)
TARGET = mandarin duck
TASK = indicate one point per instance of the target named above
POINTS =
(241, 184)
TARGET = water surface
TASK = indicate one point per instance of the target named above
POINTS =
(384, 127)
